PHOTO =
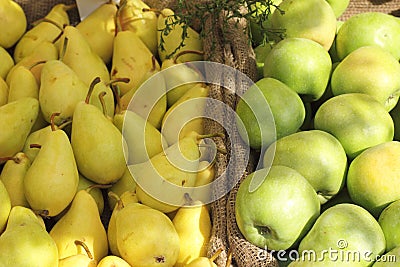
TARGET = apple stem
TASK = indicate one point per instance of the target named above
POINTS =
(85, 247)
(216, 254)
(52, 124)
(184, 52)
(35, 146)
(91, 88)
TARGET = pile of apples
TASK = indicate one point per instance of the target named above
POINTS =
(75, 137)
(325, 117)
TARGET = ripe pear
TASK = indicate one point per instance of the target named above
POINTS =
(81, 222)
(205, 261)
(124, 184)
(54, 174)
(79, 260)
(113, 261)
(7, 62)
(25, 242)
(48, 29)
(60, 90)
(77, 53)
(136, 16)
(22, 84)
(98, 28)
(179, 77)
(97, 145)
(143, 139)
(108, 98)
(131, 59)
(193, 225)
(161, 180)
(13, 23)
(3, 92)
(17, 119)
(146, 237)
(169, 40)
(45, 51)
(12, 176)
(5, 206)
(186, 115)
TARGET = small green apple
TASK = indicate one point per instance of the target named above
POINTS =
(389, 220)
(353, 75)
(311, 19)
(346, 229)
(302, 64)
(389, 259)
(373, 177)
(369, 28)
(338, 6)
(315, 154)
(267, 108)
(279, 212)
(357, 120)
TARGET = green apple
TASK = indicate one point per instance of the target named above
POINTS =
(395, 113)
(302, 64)
(373, 177)
(312, 19)
(349, 232)
(279, 212)
(389, 259)
(389, 220)
(266, 108)
(369, 28)
(315, 154)
(357, 120)
(353, 75)
(338, 6)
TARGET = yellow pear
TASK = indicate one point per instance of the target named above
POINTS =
(169, 36)
(81, 222)
(98, 28)
(186, 115)
(45, 51)
(79, 260)
(13, 23)
(7, 62)
(77, 53)
(22, 83)
(161, 181)
(142, 138)
(25, 242)
(136, 16)
(12, 176)
(124, 184)
(113, 261)
(131, 59)
(3, 92)
(146, 237)
(47, 29)
(53, 173)
(60, 90)
(102, 93)
(37, 137)
(193, 225)
(17, 119)
(97, 144)
(5, 206)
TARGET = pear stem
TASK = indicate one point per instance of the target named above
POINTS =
(36, 64)
(52, 124)
(8, 158)
(85, 247)
(114, 89)
(91, 88)
(153, 63)
(216, 254)
(117, 80)
(35, 146)
(103, 103)
(184, 52)
(117, 198)
(64, 124)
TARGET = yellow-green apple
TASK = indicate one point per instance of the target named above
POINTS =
(278, 213)
(338, 6)
(343, 235)
(357, 120)
(267, 108)
(369, 28)
(370, 70)
(302, 64)
(373, 177)
(389, 259)
(315, 154)
(389, 220)
(312, 19)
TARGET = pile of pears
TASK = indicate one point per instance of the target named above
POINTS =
(77, 142)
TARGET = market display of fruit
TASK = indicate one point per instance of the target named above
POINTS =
(105, 159)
